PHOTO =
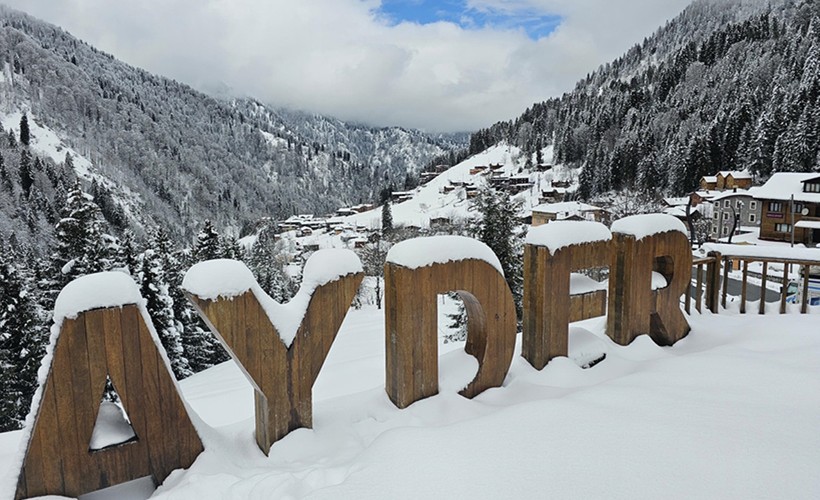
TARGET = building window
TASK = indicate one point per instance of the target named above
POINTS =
(798, 207)
(726, 204)
(775, 206)
(725, 215)
(751, 217)
(752, 205)
(813, 187)
(714, 228)
(717, 214)
(783, 228)
(725, 231)
(738, 204)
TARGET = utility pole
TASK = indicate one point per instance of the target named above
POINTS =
(791, 210)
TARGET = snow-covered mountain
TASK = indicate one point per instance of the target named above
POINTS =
(174, 156)
(727, 85)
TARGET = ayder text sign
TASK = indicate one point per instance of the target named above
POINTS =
(116, 342)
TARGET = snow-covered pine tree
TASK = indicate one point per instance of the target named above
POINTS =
(82, 246)
(498, 228)
(26, 175)
(387, 218)
(126, 258)
(200, 348)
(21, 344)
(25, 131)
(155, 290)
(229, 248)
(207, 244)
(267, 264)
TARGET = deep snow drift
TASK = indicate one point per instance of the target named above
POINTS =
(729, 411)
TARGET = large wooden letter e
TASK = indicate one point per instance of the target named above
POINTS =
(281, 348)
(101, 332)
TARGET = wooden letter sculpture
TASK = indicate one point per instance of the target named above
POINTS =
(417, 271)
(281, 348)
(94, 344)
(643, 244)
(552, 252)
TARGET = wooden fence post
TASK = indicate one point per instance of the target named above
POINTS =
(713, 282)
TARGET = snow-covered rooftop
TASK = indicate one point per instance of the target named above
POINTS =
(565, 206)
(736, 174)
(737, 192)
(764, 252)
(782, 185)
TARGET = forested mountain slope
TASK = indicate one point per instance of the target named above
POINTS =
(187, 156)
(729, 84)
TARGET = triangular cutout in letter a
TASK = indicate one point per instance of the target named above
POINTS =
(113, 426)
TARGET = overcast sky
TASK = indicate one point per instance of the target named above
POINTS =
(441, 65)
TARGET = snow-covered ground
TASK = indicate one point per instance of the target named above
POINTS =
(429, 201)
(731, 411)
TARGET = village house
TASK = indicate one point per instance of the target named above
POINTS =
(726, 179)
(737, 204)
(790, 207)
(568, 210)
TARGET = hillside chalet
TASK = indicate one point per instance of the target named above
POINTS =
(725, 180)
(568, 210)
(778, 214)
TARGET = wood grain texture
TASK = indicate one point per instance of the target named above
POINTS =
(115, 343)
(411, 326)
(548, 306)
(282, 376)
(634, 309)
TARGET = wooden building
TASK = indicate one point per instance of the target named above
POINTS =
(569, 210)
(726, 179)
(778, 213)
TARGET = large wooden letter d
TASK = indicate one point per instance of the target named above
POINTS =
(417, 271)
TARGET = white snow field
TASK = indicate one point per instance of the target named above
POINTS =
(731, 411)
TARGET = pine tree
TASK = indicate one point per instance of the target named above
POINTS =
(25, 133)
(387, 218)
(26, 175)
(5, 179)
(155, 290)
(497, 228)
(82, 247)
(21, 345)
(229, 248)
(207, 246)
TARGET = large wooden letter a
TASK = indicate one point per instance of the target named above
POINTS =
(281, 348)
(415, 273)
(104, 334)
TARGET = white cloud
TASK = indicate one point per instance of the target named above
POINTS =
(339, 57)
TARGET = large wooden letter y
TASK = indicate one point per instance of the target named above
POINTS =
(281, 348)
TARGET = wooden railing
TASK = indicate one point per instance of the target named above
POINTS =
(712, 281)
(708, 278)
